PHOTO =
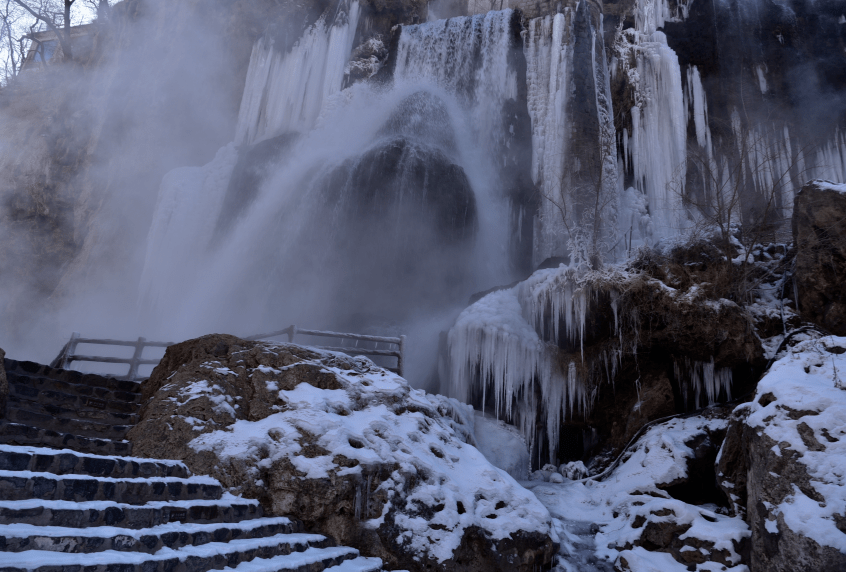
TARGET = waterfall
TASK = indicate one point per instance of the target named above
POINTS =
(285, 91)
(549, 57)
(658, 146)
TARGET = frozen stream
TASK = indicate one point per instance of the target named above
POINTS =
(577, 552)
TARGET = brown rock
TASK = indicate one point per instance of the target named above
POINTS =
(358, 456)
(819, 233)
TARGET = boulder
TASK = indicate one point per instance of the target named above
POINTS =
(346, 447)
(781, 462)
(819, 233)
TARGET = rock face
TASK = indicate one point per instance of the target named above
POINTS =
(781, 462)
(346, 447)
(819, 233)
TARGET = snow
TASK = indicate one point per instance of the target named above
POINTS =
(634, 490)
(18, 530)
(377, 420)
(197, 479)
(297, 560)
(829, 186)
(33, 450)
(227, 499)
(805, 380)
(33, 559)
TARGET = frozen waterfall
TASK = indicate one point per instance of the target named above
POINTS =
(285, 91)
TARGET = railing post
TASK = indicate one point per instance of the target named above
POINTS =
(133, 366)
(292, 331)
(401, 358)
(72, 343)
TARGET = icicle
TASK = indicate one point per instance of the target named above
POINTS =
(658, 134)
(548, 50)
(286, 91)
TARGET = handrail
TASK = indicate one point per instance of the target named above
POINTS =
(399, 353)
(68, 353)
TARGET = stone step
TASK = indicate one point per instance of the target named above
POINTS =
(58, 385)
(24, 434)
(71, 514)
(305, 550)
(83, 428)
(305, 561)
(67, 462)
(32, 369)
(360, 564)
(19, 537)
(105, 415)
(24, 485)
(72, 401)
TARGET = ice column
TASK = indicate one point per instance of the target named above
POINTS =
(657, 144)
(549, 55)
(285, 91)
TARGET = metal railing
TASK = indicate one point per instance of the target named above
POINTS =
(399, 342)
(68, 354)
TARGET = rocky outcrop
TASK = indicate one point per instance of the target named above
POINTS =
(819, 233)
(346, 447)
(781, 461)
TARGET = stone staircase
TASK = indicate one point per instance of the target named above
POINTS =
(68, 502)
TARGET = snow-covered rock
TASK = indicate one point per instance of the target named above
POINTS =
(635, 522)
(348, 448)
(783, 462)
(574, 470)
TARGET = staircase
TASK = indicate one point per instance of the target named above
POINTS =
(71, 497)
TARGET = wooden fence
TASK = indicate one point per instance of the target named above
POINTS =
(68, 354)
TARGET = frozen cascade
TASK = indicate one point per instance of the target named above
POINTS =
(658, 146)
(570, 160)
(493, 345)
(549, 55)
(466, 56)
(703, 382)
(285, 91)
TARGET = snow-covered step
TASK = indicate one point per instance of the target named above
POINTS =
(30, 386)
(67, 461)
(213, 555)
(360, 564)
(336, 559)
(228, 508)
(23, 434)
(22, 485)
(55, 404)
(19, 537)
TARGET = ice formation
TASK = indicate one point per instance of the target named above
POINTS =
(549, 49)
(703, 382)
(657, 147)
(468, 57)
(549, 54)
(285, 91)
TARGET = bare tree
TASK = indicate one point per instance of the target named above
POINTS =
(57, 20)
(587, 206)
(740, 196)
